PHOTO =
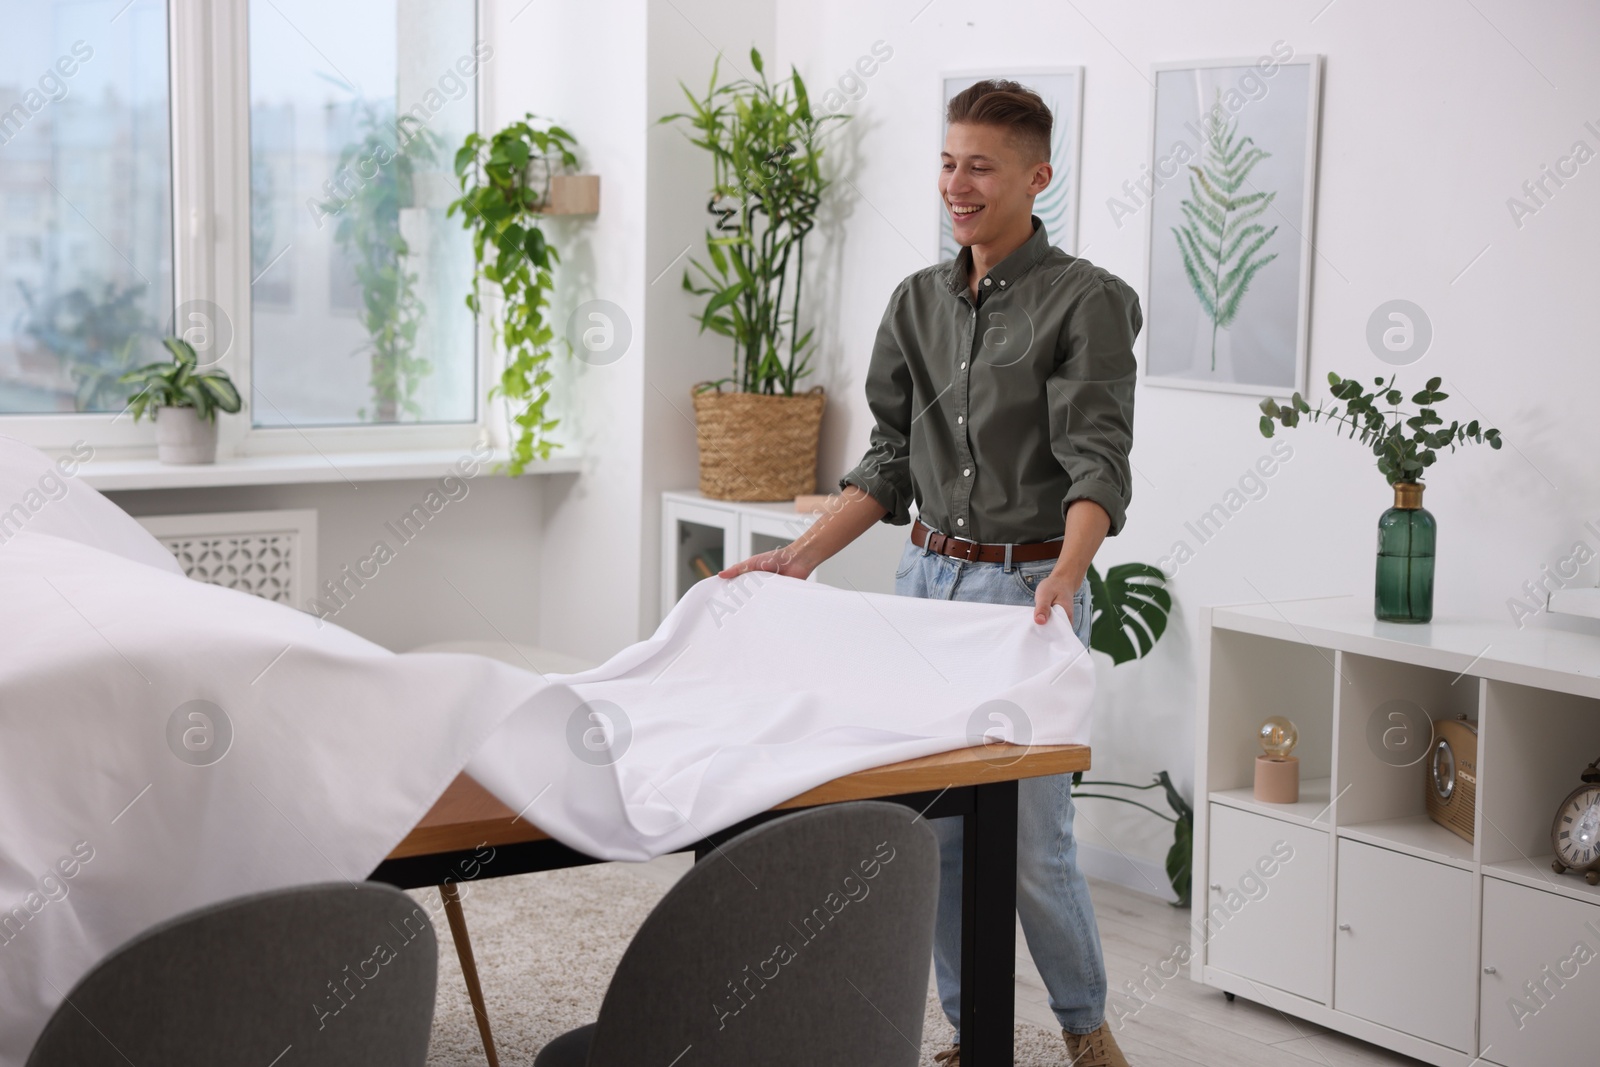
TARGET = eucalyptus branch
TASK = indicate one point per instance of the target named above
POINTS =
(1377, 420)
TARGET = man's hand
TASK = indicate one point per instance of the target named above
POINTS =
(845, 518)
(785, 560)
(1055, 588)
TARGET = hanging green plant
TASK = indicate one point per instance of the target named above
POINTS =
(368, 231)
(505, 185)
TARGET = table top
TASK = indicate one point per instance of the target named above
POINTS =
(467, 815)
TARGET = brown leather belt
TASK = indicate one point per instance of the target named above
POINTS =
(924, 536)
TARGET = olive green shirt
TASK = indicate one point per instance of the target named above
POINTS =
(995, 415)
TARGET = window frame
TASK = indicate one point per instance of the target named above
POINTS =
(208, 85)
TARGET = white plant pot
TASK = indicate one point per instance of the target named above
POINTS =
(183, 437)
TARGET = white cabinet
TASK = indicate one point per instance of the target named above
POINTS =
(1403, 951)
(1268, 919)
(1541, 976)
(700, 536)
(1428, 940)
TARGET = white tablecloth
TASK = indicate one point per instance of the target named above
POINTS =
(316, 751)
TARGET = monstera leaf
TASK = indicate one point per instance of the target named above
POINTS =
(1131, 605)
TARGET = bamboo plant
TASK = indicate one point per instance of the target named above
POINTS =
(766, 186)
(505, 185)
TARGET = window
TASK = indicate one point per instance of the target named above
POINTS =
(85, 178)
(358, 280)
(266, 178)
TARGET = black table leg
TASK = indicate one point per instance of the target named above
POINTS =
(989, 926)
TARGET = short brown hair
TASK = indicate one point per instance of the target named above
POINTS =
(1006, 103)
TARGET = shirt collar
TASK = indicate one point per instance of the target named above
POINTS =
(1008, 270)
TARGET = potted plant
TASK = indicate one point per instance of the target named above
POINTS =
(505, 187)
(1407, 531)
(758, 441)
(1131, 607)
(184, 402)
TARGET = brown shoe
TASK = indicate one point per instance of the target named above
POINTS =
(1098, 1049)
(950, 1057)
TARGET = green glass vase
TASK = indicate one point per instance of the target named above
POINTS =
(1406, 534)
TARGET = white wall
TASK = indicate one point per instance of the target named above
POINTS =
(686, 37)
(583, 65)
(472, 573)
(1433, 114)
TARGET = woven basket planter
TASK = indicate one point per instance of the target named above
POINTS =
(757, 447)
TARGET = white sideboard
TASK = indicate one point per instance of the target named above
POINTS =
(1352, 909)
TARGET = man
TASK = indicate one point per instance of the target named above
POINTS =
(1002, 385)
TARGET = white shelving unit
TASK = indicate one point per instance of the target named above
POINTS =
(1374, 920)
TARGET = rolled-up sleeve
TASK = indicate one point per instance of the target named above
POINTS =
(1091, 398)
(884, 473)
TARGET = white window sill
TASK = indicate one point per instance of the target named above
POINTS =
(111, 475)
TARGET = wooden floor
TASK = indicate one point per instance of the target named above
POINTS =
(1180, 1023)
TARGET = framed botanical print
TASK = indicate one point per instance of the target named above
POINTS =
(1229, 199)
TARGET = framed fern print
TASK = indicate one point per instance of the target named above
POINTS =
(1061, 88)
(1228, 199)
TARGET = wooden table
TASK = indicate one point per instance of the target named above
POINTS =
(979, 784)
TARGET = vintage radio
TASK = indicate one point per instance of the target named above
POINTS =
(1452, 775)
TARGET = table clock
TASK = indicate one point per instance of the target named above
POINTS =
(1575, 834)
(1452, 775)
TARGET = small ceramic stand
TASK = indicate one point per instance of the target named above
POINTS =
(1277, 780)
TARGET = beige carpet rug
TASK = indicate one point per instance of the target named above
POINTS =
(546, 945)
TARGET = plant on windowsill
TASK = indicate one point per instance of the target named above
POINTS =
(1406, 532)
(759, 441)
(370, 234)
(506, 186)
(184, 401)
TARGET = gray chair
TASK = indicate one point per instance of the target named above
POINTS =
(314, 976)
(805, 940)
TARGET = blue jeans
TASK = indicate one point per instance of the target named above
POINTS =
(1052, 894)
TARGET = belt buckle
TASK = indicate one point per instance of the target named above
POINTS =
(968, 540)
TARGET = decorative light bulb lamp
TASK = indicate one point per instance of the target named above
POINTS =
(1277, 772)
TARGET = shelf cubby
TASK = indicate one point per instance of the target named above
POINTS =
(1536, 743)
(1381, 782)
(1254, 678)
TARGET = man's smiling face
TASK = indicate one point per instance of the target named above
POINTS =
(987, 183)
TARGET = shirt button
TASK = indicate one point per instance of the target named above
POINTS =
(961, 522)
(1002, 283)
(988, 281)
(967, 473)
(961, 418)
(963, 364)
